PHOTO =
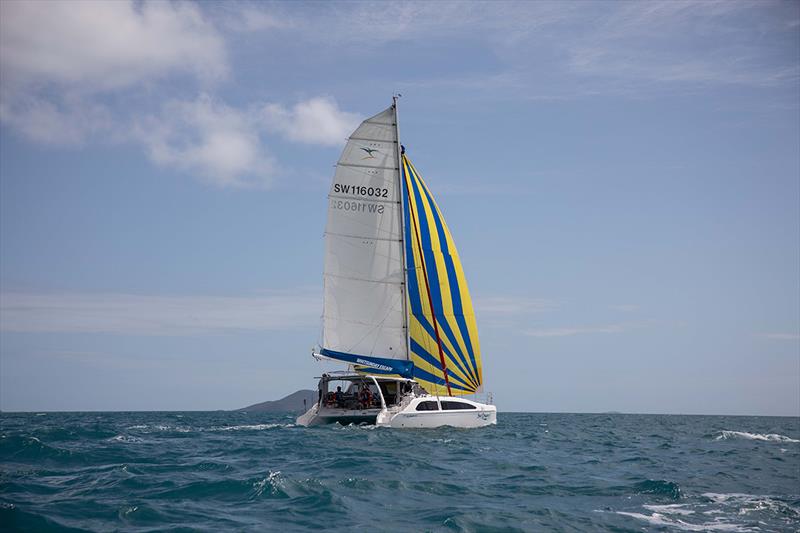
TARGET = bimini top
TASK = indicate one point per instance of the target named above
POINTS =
(396, 299)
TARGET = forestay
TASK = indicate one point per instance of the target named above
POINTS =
(364, 311)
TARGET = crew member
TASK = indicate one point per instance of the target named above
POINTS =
(365, 395)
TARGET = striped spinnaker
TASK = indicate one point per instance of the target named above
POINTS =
(452, 306)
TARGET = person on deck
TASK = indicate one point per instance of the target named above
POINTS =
(337, 397)
(365, 396)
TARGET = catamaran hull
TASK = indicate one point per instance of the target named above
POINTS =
(435, 419)
(317, 417)
(408, 415)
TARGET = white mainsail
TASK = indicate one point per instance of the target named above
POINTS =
(364, 296)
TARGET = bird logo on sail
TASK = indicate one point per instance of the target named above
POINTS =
(369, 152)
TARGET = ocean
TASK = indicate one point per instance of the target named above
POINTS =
(212, 471)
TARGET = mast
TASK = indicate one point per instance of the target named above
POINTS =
(428, 290)
(399, 153)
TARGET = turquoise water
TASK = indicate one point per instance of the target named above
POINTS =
(532, 472)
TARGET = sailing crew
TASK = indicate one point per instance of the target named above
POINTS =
(365, 396)
(337, 397)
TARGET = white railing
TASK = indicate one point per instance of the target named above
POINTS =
(480, 397)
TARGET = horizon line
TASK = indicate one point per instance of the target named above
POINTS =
(240, 409)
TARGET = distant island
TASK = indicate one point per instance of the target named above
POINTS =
(291, 403)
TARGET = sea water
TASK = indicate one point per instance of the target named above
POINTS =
(532, 472)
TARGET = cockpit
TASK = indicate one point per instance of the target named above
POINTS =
(359, 392)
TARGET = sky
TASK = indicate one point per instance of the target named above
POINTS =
(622, 180)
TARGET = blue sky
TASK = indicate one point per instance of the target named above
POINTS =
(621, 180)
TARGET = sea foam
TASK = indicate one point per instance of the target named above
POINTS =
(659, 519)
(771, 437)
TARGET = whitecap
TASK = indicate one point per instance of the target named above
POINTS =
(124, 438)
(273, 481)
(352, 427)
(250, 427)
(747, 503)
(673, 508)
(179, 429)
(658, 519)
(771, 437)
(131, 509)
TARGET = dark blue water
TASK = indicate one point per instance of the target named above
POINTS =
(533, 472)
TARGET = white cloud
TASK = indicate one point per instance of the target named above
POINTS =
(781, 336)
(249, 17)
(380, 22)
(511, 305)
(567, 332)
(207, 138)
(625, 308)
(63, 122)
(95, 46)
(556, 50)
(683, 42)
(59, 60)
(314, 121)
(156, 315)
(67, 67)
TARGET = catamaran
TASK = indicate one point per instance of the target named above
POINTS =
(397, 310)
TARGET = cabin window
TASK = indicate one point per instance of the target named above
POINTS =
(449, 406)
(427, 406)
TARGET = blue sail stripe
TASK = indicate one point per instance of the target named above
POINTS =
(425, 355)
(430, 263)
(427, 376)
(458, 310)
(415, 296)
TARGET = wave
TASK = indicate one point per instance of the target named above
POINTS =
(151, 428)
(273, 484)
(144, 428)
(125, 438)
(770, 437)
(716, 512)
(747, 503)
(250, 427)
(659, 487)
(21, 447)
(664, 520)
(673, 508)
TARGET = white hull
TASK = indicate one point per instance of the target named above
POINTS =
(484, 415)
(449, 411)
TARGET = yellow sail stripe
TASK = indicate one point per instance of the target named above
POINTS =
(452, 304)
